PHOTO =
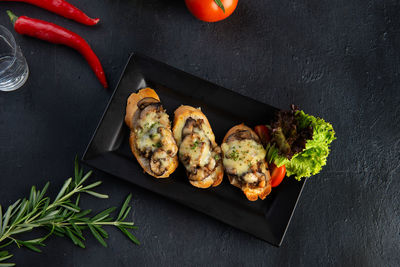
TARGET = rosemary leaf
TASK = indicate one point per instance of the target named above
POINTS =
(3, 254)
(103, 214)
(70, 207)
(30, 246)
(6, 244)
(7, 264)
(1, 221)
(124, 206)
(126, 213)
(92, 185)
(32, 196)
(101, 230)
(62, 191)
(95, 194)
(97, 235)
(44, 190)
(130, 227)
(77, 230)
(20, 230)
(77, 200)
(71, 235)
(83, 213)
(15, 207)
(76, 171)
(129, 235)
(87, 175)
(6, 218)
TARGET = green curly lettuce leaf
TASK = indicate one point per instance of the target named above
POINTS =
(313, 155)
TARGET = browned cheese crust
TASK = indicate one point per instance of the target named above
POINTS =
(131, 109)
(182, 114)
(252, 194)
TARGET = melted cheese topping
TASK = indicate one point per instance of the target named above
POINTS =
(198, 150)
(240, 155)
(181, 124)
(147, 132)
(197, 147)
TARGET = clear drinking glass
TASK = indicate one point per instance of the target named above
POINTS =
(13, 67)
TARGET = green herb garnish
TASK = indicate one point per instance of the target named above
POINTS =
(194, 146)
(234, 155)
(158, 145)
(217, 157)
(62, 216)
(152, 125)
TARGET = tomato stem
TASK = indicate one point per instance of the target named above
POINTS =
(219, 3)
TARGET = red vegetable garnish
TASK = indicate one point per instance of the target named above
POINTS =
(62, 8)
(58, 35)
(211, 10)
(263, 133)
(277, 174)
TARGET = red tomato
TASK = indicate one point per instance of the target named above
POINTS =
(208, 10)
(263, 133)
(277, 174)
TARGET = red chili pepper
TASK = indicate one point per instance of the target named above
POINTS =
(58, 35)
(62, 8)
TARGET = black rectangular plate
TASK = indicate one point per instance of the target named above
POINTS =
(109, 149)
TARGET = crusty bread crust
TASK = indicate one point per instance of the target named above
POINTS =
(133, 99)
(131, 109)
(252, 194)
(181, 115)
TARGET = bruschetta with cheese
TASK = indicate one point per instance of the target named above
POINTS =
(151, 139)
(198, 151)
(243, 158)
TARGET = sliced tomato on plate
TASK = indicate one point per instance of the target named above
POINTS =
(263, 132)
(277, 174)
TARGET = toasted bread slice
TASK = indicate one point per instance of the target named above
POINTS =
(244, 162)
(151, 142)
(198, 150)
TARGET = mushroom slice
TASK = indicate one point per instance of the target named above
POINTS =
(168, 142)
(146, 101)
(153, 107)
(240, 135)
(159, 162)
(188, 128)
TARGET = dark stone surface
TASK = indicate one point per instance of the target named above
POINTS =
(336, 59)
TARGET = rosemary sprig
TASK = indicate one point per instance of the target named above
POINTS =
(62, 216)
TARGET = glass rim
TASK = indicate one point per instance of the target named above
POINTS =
(13, 45)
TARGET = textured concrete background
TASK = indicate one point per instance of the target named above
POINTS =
(336, 59)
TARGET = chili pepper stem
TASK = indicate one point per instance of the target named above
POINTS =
(12, 16)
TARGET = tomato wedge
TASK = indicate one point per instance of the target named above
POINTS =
(263, 132)
(277, 174)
